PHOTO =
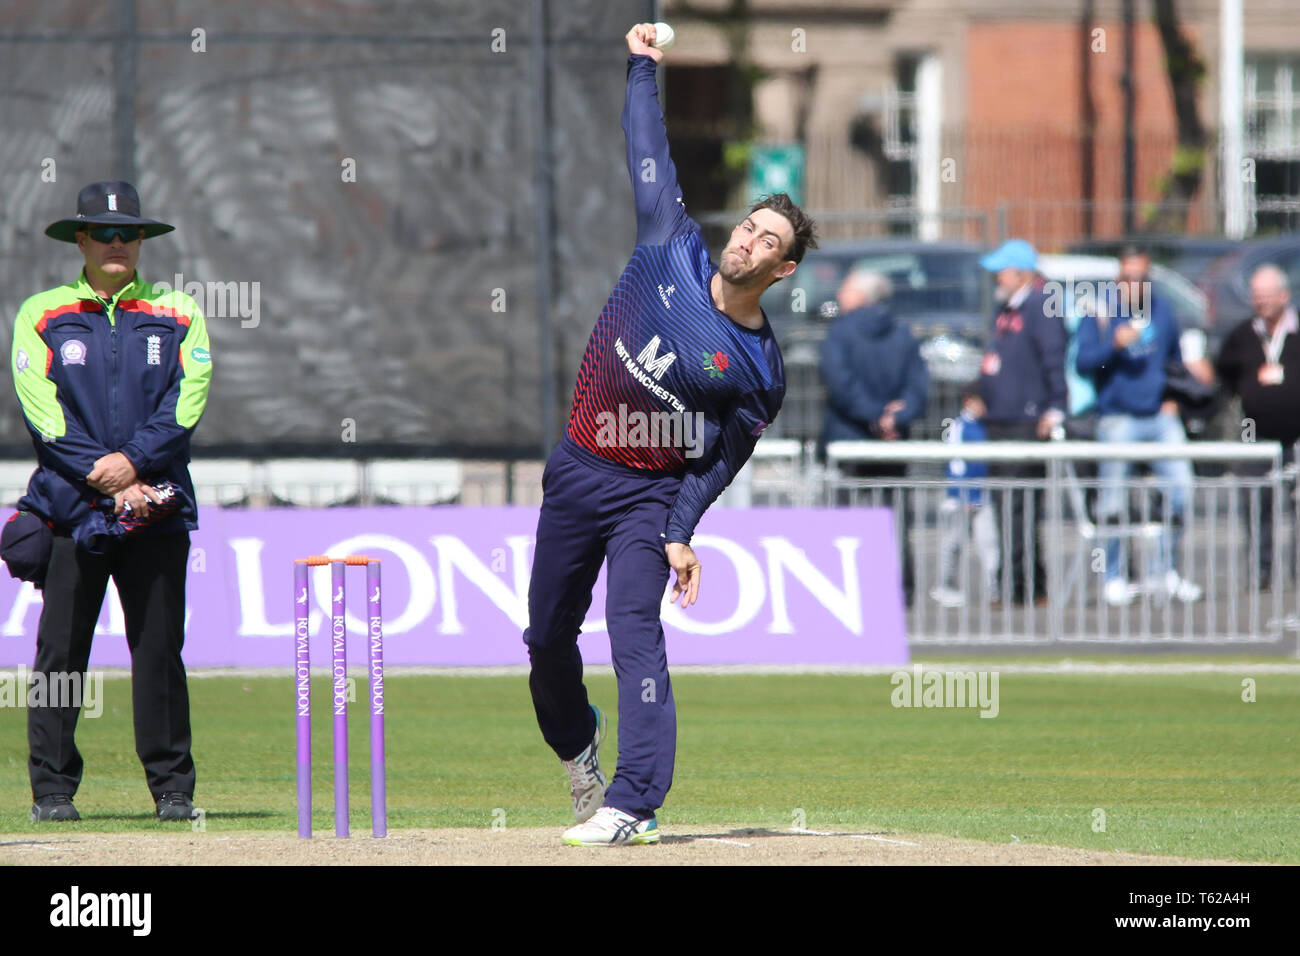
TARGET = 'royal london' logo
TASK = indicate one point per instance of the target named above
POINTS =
(716, 364)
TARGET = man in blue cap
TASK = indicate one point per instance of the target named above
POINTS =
(112, 374)
(1022, 383)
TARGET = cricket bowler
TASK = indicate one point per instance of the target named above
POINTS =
(679, 378)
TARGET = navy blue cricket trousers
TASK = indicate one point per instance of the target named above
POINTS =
(593, 511)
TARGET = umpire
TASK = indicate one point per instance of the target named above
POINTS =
(112, 374)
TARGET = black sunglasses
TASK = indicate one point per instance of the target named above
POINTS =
(107, 234)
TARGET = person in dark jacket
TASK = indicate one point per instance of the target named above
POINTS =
(112, 374)
(1022, 383)
(1128, 347)
(876, 385)
(1259, 361)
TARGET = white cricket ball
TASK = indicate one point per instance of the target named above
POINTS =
(664, 36)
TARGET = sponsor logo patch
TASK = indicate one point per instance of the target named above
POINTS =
(21, 361)
(73, 352)
(200, 354)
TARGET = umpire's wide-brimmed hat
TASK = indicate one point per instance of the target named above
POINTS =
(106, 204)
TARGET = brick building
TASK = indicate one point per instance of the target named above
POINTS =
(988, 116)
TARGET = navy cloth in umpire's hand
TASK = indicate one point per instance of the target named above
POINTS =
(102, 524)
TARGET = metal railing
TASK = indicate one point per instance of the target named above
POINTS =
(1192, 577)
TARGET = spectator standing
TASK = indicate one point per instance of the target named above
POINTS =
(1022, 384)
(876, 385)
(1129, 346)
(963, 515)
(1259, 361)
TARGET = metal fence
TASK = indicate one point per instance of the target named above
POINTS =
(1151, 576)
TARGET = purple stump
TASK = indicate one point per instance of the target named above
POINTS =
(378, 772)
(302, 674)
(338, 635)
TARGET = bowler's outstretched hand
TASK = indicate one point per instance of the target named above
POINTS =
(683, 561)
(640, 41)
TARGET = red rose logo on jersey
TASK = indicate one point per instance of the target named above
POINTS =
(716, 364)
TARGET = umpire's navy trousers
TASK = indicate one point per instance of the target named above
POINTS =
(595, 510)
(149, 571)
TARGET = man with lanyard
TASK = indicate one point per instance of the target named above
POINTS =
(1259, 361)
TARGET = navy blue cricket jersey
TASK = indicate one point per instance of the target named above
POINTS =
(662, 351)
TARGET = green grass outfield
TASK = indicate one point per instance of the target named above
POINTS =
(1178, 762)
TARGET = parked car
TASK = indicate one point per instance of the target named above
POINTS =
(940, 293)
(1189, 256)
(1227, 282)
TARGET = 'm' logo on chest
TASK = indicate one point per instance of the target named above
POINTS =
(153, 350)
(652, 361)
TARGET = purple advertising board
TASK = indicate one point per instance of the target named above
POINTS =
(778, 586)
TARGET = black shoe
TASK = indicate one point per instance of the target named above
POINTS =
(175, 806)
(54, 806)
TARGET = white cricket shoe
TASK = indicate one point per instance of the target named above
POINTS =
(1119, 592)
(586, 782)
(948, 597)
(610, 827)
(1182, 589)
